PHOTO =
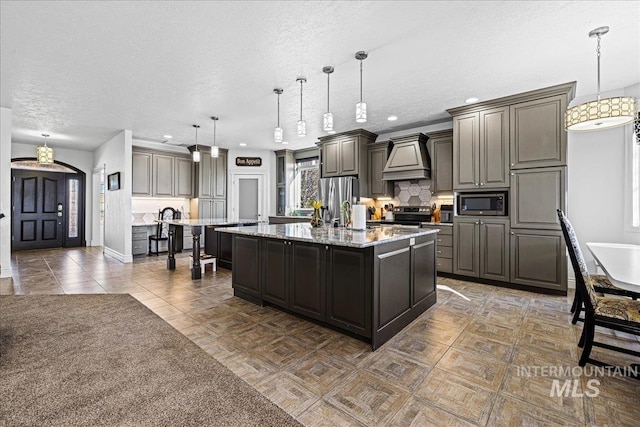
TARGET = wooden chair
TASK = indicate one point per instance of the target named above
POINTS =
(619, 314)
(162, 230)
(601, 283)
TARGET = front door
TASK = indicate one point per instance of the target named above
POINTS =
(47, 210)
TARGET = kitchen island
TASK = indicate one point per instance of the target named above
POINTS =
(370, 284)
(196, 230)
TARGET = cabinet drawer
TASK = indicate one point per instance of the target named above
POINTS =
(444, 252)
(139, 248)
(139, 235)
(445, 229)
(444, 240)
(187, 243)
(444, 265)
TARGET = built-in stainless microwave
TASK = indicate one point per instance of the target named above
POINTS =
(482, 204)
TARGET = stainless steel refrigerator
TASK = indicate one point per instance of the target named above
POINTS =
(333, 192)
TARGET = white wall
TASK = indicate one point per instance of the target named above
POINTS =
(5, 192)
(268, 168)
(115, 154)
(596, 182)
(82, 160)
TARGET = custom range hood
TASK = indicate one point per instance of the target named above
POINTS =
(409, 159)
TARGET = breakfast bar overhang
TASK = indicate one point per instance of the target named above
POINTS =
(370, 283)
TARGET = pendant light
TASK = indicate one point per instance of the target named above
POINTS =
(327, 120)
(601, 113)
(196, 153)
(361, 107)
(277, 132)
(214, 148)
(302, 125)
(45, 154)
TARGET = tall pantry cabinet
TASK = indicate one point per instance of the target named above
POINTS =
(516, 144)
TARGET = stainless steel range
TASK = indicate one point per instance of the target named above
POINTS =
(410, 216)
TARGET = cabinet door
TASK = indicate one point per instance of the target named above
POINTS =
(423, 270)
(536, 194)
(307, 280)
(205, 208)
(275, 283)
(219, 208)
(183, 184)
(494, 249)
(331, 159)
(538, 259)
(205, 177)
(442, 165)
(465, 247)
(280, 170)
(538, 138)
(494, 148)
(349, 156)
(220, 176)
(348, 296)
(141, 174)
(281, 200)
(466, 152)
(247, 278)
(377, 158)
(163, 175)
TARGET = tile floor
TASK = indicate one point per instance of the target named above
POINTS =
(458, 364)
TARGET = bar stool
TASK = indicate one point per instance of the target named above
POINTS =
(204, 260)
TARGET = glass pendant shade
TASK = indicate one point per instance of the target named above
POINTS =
(361, 112)
(196, 156)
(302, 128)
(278, 135)
(45, 155)
(601, 114)
(215, 152)
(327, 122)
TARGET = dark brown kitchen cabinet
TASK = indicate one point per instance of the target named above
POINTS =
(481, 247)
(247, 278)
(441, 152)
(308, 275)
(538, 138)
(275, 271)
(376, 159)
(481, 149)
(535, 195)
(538, 259)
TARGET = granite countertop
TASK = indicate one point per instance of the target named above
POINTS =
(212, 221)
(329, 235)
(439, 224)
(142, 223)
(291, 216)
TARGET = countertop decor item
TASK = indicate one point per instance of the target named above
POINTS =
(601, 113)
(316, 220)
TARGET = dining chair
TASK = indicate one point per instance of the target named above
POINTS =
(601, 283)
(162, 230)
(619, 314)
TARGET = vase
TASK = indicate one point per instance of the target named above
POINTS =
(316, 221)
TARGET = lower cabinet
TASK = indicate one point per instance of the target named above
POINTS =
(307, 280)
(444, 250)
(212, 208)
(139, 241)
(538, 259)
(247, 278)
(481, 248)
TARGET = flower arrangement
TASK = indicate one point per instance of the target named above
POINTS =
(316, 221)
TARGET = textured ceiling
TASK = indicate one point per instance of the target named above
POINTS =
(83, 71)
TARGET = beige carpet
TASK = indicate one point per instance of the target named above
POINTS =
(108, 360)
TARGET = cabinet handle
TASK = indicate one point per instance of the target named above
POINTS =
(513, 174)
(439, 252)
(476, 222)
(476, 184)
(512, 233)
(439, 240)
(513, 164)
(481, 223)
(326, 248)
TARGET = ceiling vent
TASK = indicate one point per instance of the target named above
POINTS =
(409, 159)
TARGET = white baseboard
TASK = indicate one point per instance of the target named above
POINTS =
(5, 272)
(117, 255)
(571, 283)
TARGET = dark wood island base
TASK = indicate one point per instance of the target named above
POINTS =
(370, 292)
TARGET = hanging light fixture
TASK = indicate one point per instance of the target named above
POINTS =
(215, 152)
(327, 119)
(277, 132)
(601, 113)
(45, 154)
(196, 153)
(361, 107)
(302, 125)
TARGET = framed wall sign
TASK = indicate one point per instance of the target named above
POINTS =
(248, 161)
(113, 181)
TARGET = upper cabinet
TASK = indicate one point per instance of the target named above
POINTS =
(345, 154)
(377, 155)
(481, 149)
(285, 163)
(441, 150)
(161, 175)
(212, 175)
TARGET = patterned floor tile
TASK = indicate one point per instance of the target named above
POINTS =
(287, 393)
(473, 343)
(415, 413)
(511, 411)
(320, 372)
(397, 368)
(322, 414)
(477, 368)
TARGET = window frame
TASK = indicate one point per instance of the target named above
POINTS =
(632, 177)
(297, 182)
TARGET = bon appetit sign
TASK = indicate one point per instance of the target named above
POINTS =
(248, 161)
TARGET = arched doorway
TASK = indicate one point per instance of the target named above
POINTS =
(48, 205)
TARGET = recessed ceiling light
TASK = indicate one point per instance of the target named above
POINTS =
(242, 144)
(167, 136)
(331, 132)
(285, 143)
(392, 118)
(470, 100)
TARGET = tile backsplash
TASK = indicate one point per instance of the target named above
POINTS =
(411, 193)
(146, 208)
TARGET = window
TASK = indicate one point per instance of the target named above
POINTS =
(305, 185)
(632, 178)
